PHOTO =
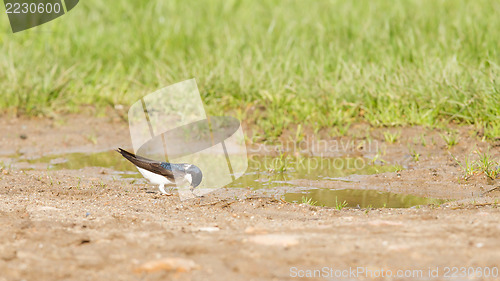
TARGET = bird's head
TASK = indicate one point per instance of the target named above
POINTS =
(193, 175)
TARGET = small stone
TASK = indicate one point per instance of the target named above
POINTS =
(209, 229)
(47, 208)
(275, 240)
(8, 253)
(167, 264)
(398, 248)
(385, 223)
(254, 230)
(84, 240)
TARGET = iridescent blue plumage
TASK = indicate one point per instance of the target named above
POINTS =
(166, 165)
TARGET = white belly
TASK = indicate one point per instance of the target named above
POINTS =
(154, 178)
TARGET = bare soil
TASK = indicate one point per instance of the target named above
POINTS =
(87, 225)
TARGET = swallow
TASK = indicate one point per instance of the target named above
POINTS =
(163, 173)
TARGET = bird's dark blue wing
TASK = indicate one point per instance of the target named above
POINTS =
(157, 167)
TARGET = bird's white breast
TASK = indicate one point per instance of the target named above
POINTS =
(188, 178)
(154, 178)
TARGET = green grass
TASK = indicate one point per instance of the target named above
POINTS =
(423, 141)
(391, 137)
(450, 138)
(485, 164)
(308, 201)
(414, 154)
(299, 136)
(340, 205)
(273, 63)
(279, 164)
(468, 168)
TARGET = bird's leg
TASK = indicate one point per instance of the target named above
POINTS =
(171, 189)
(162, 190)
(192, 191)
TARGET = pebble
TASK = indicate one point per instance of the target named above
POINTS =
(384, 222)
(47, 208)
(167, 264)
(275, 240)
(209, 229)
(8, 253)
(254, 230)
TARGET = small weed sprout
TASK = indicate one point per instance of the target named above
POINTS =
(485, 164)
(488, 166)
(92, 138)
(280, 164)
(415, 155)
(468, 167)
(299, 135)
(378, 157)
(308, 201)
(391, 137)
(423, 141)
(340, 205)
(433, 141)
(340, 130)
(451, 139)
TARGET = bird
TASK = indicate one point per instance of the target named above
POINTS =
(163, 173)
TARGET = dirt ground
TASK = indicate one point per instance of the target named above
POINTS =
(87, 225)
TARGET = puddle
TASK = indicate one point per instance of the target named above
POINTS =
(263, 171)
(361, 198)
(268, 172)
(76, 161)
